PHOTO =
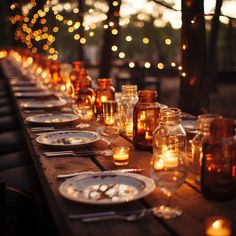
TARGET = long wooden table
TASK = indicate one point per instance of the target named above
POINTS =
(196, 209)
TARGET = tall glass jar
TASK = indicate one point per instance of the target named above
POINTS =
(198, 140)
(127, 102)
(145, 119)
(104, 92)
(218, 175)
(169, 136)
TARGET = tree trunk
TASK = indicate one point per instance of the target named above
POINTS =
(212, 47)
(108, 38)
(193, 51)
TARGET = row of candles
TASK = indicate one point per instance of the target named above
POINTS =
(151, 126)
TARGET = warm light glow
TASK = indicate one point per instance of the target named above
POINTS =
(145, 40)
(131, 64)
(121, 55)
(114, 31)
(160, 66)
(76, 10)
(147, 64)
(168, 41)
(83, 40)
(114, 48)
(76, 36)
(128, 38)
(173, 64)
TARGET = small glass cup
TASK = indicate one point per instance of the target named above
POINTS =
(218, 226)
(120, 156)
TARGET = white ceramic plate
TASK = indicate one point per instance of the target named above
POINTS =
(62, 118)
(67, 138)
(25, 88)
(190, 125)
(43, 104)
(107, 188)
(33, 94)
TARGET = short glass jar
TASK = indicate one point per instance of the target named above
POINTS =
(203, 131)
(218, 175)
(169, 135)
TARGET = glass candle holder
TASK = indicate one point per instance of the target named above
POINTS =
(109, 107)
(121, 156)
(218, 226)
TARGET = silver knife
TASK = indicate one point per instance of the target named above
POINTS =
(62, 176)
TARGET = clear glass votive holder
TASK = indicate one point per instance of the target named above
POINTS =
(218, 226)
(109, 107)
(121, 156)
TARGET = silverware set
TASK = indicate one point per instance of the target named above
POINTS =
(49, 128)
(112, 215)
(78, 153)
(62, 176)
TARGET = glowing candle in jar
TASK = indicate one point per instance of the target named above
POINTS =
(109, 120)
(129, 128)
(218, 226)
(103, 98)
(120, 156)
(148, 136)
(170, 159)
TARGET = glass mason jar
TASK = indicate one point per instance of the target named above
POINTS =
(145, 119)
(198, 140)
(169, 135)
(104, 92)
(127, 102)
(55, 73)
(218, 175)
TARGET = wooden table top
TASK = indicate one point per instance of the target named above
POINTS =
(196, 208)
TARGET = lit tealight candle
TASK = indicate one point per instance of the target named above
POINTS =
(109, 120)
(218, 226)
(121, 156)
(170, 159)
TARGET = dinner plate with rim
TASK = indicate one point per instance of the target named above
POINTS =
(33, 94)
(190, 125)
(50, 118)
(67, 138)
(25, 88)
(34, 104)
(107, 188)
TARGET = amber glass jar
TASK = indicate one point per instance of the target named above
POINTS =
(104, 92)
(203, 131)
(76, 67)
(145, 119)
(218, 173)
(55, 72)
(85, 95)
